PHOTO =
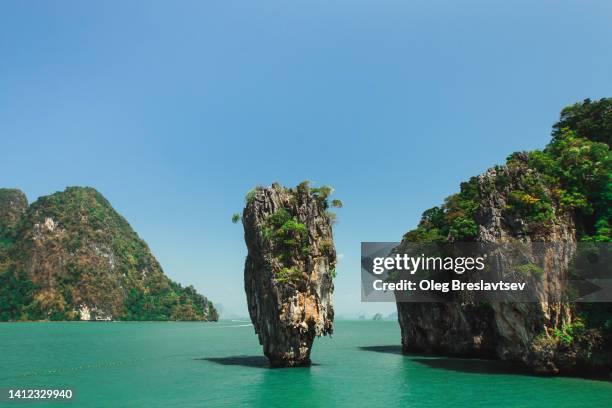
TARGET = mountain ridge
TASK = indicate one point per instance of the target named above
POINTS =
(71, 256)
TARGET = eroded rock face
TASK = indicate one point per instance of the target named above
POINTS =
(518, 332)
(518, 325)
(289, 269)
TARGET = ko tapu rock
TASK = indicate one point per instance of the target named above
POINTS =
(289, 269)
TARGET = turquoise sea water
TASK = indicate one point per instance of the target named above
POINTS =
(220, 364)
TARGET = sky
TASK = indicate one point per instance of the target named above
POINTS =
(174, 110)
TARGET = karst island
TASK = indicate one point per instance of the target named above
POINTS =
(289, 269)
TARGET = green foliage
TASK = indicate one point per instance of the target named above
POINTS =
(463, 228)
(582, 168)
(289, 275)
(603, 232)
(529, 270)
(235, 218)
(16, 294)
(6, 240)
(304, 186)
(434, 218)
(279, 218)
(287, 233)
(569, 331)
(250, 196)
(333, 273)
(590, 120)
(322, 192)
(289, 237)
(425, 234)
(533, 206)
(579, 158)
(175, 303)
(574, 200)
(455, 219)
(292, 232)
(574, 171)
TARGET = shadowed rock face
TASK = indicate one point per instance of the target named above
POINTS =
(288, 271)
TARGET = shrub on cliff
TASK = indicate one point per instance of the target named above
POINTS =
(573, 171)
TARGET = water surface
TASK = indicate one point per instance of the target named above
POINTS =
(220, 364)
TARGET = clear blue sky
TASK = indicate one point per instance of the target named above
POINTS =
(173, 110)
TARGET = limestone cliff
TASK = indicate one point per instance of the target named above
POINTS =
(505, 330)
(558, 196)
(71, 256)
(289, 269)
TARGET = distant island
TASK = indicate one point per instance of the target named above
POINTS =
(71, 256)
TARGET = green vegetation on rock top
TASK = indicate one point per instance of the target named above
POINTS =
(573, 173)
(286, 231)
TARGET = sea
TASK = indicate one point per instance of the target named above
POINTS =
(172, 364)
